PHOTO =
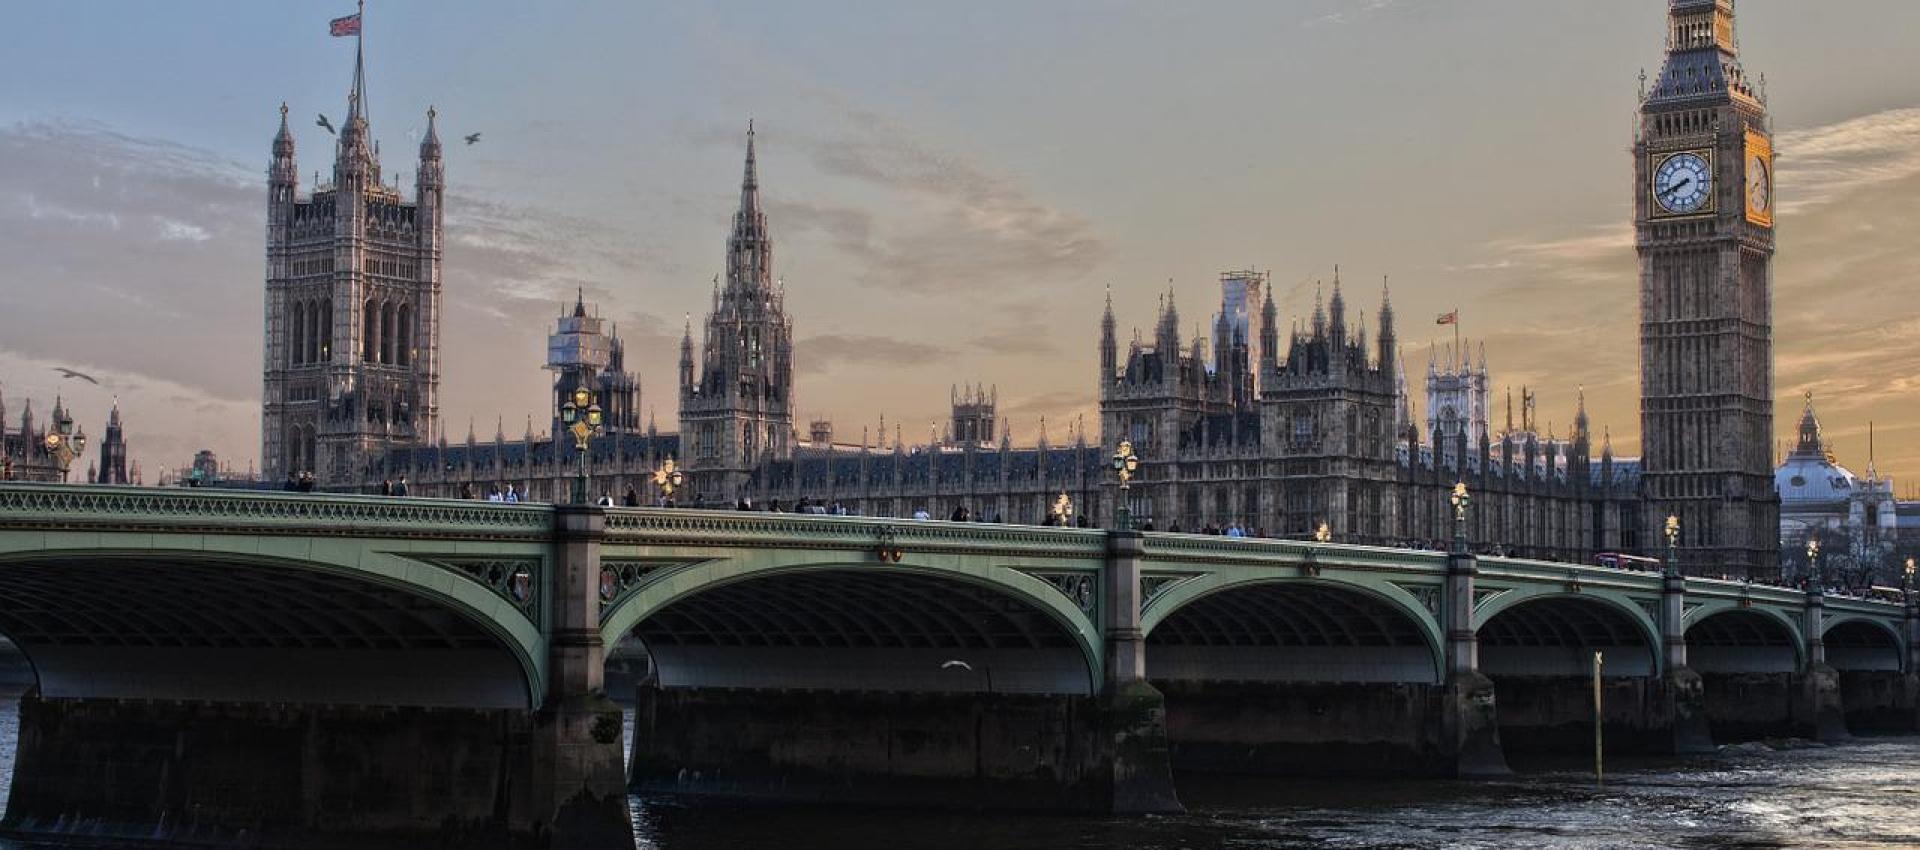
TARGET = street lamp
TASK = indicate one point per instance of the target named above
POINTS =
(668, 478)
(1813, 565)
(581, 415)
(1322, 534)
(1125, 462)
(1906, 580)
(1461, 501)
(1673, 544)
(64, 443)
(1062, 509)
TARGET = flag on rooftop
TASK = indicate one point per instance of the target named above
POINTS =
(1452, 318)
(349, 25)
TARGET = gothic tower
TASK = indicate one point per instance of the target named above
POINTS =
(352, 305)
(737, 410)
(1703, 199)
(113, 451)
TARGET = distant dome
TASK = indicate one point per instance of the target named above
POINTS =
(1809, 477)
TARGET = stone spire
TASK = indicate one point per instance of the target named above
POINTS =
(1810, 441)
(749, 248)
(1109, 347)
(1269, 335)
(1389, 342)
(430, 146)
(1338, 311)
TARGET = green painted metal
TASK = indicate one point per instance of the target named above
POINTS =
(464, 555)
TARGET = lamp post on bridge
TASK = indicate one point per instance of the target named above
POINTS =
(1672, 567)
(1813, 566)
(582, 417)
(668, 478)
(1061, 514)
(63, 442)
(1461, 500)
(1125, 462)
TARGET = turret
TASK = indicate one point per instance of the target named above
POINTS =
(1109, 347)
(354, 165)
(686, 360)
(430, 178)
(1269, 337)
(1167, 337)
(1389, 343)
(1338, 310)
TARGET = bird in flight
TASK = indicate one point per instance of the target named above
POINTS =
(323, 123)
(69, 373)
(473, 137)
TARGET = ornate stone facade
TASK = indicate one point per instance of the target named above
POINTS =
(352, 354)
(1703, 200)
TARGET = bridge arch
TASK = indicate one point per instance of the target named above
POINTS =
(1010, 631)
(1856, 643)
(226, 622)
(1737, 640)
(1545, 632)
(1222, 627)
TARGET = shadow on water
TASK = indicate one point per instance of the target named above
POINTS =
(1864, 795)
(1749, 797)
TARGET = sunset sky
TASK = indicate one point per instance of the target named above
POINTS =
(950, 187)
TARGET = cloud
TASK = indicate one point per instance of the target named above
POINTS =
(953, 226)
(818, 354)
(1349, 12)
(1819, 165)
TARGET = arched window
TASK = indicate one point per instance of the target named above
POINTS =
(370, 332)
(386, 332)
(311, 352)
(403, 350)
(297, 353)
(326, 329)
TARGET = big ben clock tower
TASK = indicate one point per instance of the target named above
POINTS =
(1703, 204)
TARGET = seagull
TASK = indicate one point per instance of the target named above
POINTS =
(69, 373)
(473, 137)
(323, 123)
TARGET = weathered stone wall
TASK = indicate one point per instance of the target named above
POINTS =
(1876, 702)
(1306, 728)
(1751, 706)
(283, 775)
(1023, 751)
(1554, 714)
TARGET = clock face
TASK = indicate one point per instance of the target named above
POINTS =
(1683, 183)
(1759, 185)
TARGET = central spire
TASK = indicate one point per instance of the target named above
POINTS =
(749, 249)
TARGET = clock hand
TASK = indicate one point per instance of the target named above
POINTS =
(1677, 187)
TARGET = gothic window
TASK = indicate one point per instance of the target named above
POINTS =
(298, 350)
(386, 333)
(403, 349)
(370, 332)
(326, 329)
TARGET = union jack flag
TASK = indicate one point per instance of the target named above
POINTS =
(349, 25)
(1448, 318)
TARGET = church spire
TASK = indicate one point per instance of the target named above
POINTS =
(749, 250)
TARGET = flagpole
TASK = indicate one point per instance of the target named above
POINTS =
(1456, 333)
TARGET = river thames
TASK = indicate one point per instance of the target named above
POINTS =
(1860, 795)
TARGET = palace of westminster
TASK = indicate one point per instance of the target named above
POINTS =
(1275, 429)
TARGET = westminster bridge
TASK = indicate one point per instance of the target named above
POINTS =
(227, 664)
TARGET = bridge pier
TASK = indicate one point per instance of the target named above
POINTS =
(1818, 708)
(1681, 695)
(1134, 713)
(1470, 727)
